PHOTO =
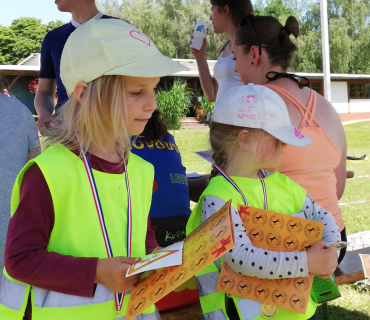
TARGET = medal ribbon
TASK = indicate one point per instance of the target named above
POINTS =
(226, 176)
(118, 296)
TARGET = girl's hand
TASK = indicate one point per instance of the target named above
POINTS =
(112, 273)
(199, 53)
(321, 261)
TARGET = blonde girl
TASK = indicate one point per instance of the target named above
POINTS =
(250, 128)
(74, 208)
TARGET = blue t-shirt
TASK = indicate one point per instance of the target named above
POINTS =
(51, 52)
(170, 208)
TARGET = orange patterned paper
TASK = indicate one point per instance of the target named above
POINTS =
(212, 239)
(276, 232)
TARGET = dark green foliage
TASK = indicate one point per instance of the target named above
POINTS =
(22, 38)
(173, 104)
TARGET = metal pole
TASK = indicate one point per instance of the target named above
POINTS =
(325, 48)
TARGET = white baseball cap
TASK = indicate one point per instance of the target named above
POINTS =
(111, 47)
(255, 106)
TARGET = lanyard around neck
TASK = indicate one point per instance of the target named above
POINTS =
(227, 177)
(118, 296)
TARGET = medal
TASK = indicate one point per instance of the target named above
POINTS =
(226, 176)
(268, 311)
(117, 296)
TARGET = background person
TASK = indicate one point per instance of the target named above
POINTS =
(226, 16)
(19, 143)
(262, 45)
(51, 52)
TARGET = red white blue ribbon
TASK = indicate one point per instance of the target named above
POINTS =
(263, 189)
(227, 177)
(118, 296)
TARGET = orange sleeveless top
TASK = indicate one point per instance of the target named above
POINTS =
(312, 167)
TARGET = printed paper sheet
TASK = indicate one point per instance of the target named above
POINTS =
(276, 232)
(166, 257)
(213, 238)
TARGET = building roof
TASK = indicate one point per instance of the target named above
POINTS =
(32, 60)
(193, 72)
(31, 67)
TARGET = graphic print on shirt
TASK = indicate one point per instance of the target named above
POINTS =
(170, 208)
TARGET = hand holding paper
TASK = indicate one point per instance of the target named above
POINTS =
(213, 238)
(166, 257)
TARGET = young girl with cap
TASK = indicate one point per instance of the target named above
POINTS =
(69, 260)
(226, 16)
(264, 51)
(250, 128)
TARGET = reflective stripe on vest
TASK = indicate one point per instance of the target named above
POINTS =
(215, 315)
(74, 210)
(248, 309)
(288, 197)
(51, 299)
(11, 293)
(206, 283)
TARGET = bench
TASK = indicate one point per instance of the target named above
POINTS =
(350, 270)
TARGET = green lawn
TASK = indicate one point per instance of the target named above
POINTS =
(188, 141)
(357, 216)
(352, 305)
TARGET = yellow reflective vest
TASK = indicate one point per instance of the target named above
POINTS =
(284, 196)
(77, 232)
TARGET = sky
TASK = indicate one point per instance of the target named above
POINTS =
(46, 10)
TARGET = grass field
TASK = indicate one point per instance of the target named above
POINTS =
(352, 305)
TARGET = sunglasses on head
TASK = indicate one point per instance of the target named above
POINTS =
(249, 19)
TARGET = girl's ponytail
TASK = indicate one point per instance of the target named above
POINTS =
(220, 158)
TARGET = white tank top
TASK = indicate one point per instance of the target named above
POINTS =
(225, 75)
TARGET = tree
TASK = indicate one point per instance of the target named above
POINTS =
(169, 23)
(23, 37)
(7, 41)
(348, 37)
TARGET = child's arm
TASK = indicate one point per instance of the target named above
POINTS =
(248, 260)
(26, 256)
(313, 211)
(321, 261)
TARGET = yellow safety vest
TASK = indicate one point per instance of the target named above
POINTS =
(285, 196)
(77, 232)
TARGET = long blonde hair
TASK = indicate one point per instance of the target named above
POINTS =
(224, 142)
(100, 114)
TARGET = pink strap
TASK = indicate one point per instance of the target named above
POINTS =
(298, 104)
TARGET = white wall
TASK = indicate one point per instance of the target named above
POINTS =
(339, 96)
(360, 105)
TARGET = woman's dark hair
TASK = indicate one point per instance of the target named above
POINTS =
(238, 10)
(272, 36)
(155, 128)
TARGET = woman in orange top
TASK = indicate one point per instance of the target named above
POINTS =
(263, 52)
